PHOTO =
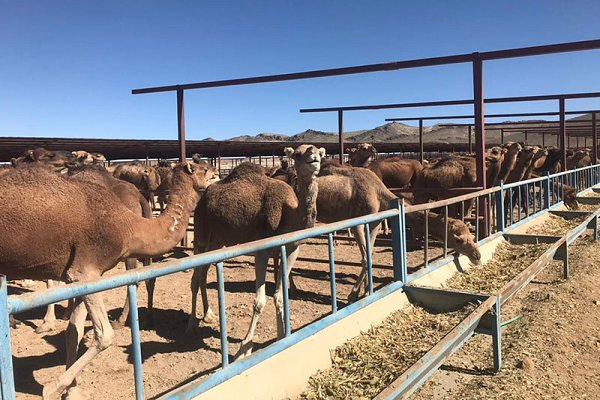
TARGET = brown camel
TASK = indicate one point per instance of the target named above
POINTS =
(493, 163)
(246, 206)
(510, 159)
(361, 155)
(164, 170)
(87, 231)
(551, 163)
(145, 178)
(85, 158)
(524, 160)
(396, 172)
(56, 159)
(352, 192)
(579, 159)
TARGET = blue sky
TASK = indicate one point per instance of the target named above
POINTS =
(68, 67)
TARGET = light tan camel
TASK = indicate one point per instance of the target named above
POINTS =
(86, 158)
(246, 206)
(352, 192)
(86, 231)
(361, 155)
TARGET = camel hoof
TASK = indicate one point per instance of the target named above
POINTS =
(352, 297)
(14, 322)
(45, 327)
(191, 327)
(50, 392)
(210, 318)
(244, 351)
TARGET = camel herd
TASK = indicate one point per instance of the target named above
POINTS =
(109, 219)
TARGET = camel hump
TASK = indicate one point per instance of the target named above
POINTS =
(244, 170)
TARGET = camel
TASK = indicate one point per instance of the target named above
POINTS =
(396, 172)
(145, 178)
(493, 163)
(85, 158)
(552, 163)
(352, 192)
(165, 171)
(523, 162)
(510, 158)
(579, 159)
(246, 206)
(87, 231)
(56, 159)
(361, 155)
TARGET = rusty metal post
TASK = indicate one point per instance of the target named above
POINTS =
(181, 138)
(526, 132)
(543, 139)
(501, 136)
(341, 134)
(594, 140)
(478, 103)
(421, 140)
(219, 159)
(562, 133)
(181, 125)
(470, 139)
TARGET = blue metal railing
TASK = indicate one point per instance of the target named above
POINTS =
(545, 192)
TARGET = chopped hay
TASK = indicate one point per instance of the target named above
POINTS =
(508, 261)
(556, 226)
(367, 364)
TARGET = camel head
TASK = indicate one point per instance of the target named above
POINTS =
(495, 155)
(196, 158)
(359, 156)
(83, 157)
(307, 159)
(203, 174)
(462, 240)
(56, 160)
(513, 148)
(527, 154)
(570, 198)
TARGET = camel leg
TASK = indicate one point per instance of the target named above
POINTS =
(73, 336)
(291, 285)
(103, 333)
(292, 255)
(199, 281)
(130, 263)
(260, 267)
(49, 321)
(359, 236)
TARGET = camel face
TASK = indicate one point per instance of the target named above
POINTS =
(495, 155)
(56, 159)
(307, 158)
(359, 156)
(462, 240)
(571, 199)
(203, 174)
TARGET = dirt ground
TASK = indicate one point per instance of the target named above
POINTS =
(170, 357)
(551, 352)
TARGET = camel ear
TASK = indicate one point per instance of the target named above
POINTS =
(189, 167)
(288, 151)
(322, 152)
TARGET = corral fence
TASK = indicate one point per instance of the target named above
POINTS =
(537, 195)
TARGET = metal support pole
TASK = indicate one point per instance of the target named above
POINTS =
(341, 134)
(543, 139)
(332, 273)
(219, 159)
(502, 136)
(562, 132)
(222, 316)
(398, 241)
(497, 336)
(577, 141)
(500, 217)
(134, 322)
(421, 141)
(284, 288)
(7, 378)
(526, 133)
(478, 103)
(547, 191)
(181, 125)
(470, 139)
(594, 140)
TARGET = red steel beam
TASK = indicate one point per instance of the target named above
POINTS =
(389, 66)
(594, 140)
(562, 133)
(341, 135)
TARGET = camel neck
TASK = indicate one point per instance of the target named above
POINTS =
(307, 190)
(156, 236)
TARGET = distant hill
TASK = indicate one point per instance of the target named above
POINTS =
(402, 133)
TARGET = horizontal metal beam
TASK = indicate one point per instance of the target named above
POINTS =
(455, 102)
(389, 66)
(532, 114)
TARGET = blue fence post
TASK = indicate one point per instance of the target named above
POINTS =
(398, 241)
(332, 273)
(222, 315)
(7, 380)
(500, 218)
(134, 322)
(369, 257)
(547, 191)
(284, 289)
